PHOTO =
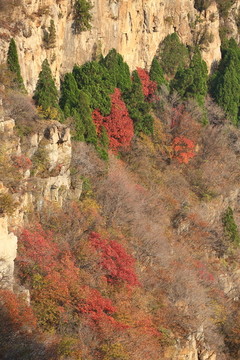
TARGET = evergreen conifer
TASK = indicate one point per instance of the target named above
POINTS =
(69, 94)
(138, 108)
(230, 227)
(173, 54)
(192, 82)
(156, 73)
(85, 112)
(94, 80)
(76, 103)
(50, 36)
(46, 94)
(14, 67)
(82, 16)
(118, 70)
(225, 83)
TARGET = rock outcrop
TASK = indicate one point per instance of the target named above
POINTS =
(48, 180)
(134, 28)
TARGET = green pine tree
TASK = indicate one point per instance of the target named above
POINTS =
(198, 88)
(50, 36)
(76, 103)
(85, 112)
(182, 82)
(14, 67)
(46, 94)
(173, 54)
(225, 83)
(138, 108)
(118, 70)
(94, 80)
(156, 73)
(69, 94)
(192, 82)
(82, 16)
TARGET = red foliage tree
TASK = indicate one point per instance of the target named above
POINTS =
(183, 149)
(119, 265)
(57, 289)
(118, 124)
(36, 248)
(149, 87)
(15, 313)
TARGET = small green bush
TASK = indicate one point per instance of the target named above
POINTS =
(49, 37)
(82, 16)
(230, 228)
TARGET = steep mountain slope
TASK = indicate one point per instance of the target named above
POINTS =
(119, 192)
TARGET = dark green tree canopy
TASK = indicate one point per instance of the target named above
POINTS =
(46, 94)
(94, 80)
(156, 73)
(138, 108)
(69, 94)
(230, 227)
(118, 70)
(173, 54)
(50, 36)
(192, 82)
(85, 112)
(76, 103)
(225, 83)
(14, 67)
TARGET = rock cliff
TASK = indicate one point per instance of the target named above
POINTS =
(134, 28)
(49, 150)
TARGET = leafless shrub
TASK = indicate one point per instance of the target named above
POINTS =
(7, 77)
(194, 110)
(20, 107)
(216, 115)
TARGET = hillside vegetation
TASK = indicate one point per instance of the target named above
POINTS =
(137, 264)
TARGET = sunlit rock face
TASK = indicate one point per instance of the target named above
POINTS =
(134, 28)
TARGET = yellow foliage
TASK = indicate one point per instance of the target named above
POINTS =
(50, 113)
(114, 351)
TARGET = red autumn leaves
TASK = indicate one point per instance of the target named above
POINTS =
(55, 280)
(118, 124)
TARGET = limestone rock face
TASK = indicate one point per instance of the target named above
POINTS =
(8, 252)
(134, 28)
(193, 349)
(48, 181)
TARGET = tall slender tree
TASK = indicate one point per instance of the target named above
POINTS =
(46, 94)
(14, 67)
(225, 83)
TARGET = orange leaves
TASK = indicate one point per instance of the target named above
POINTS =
(184, 149)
